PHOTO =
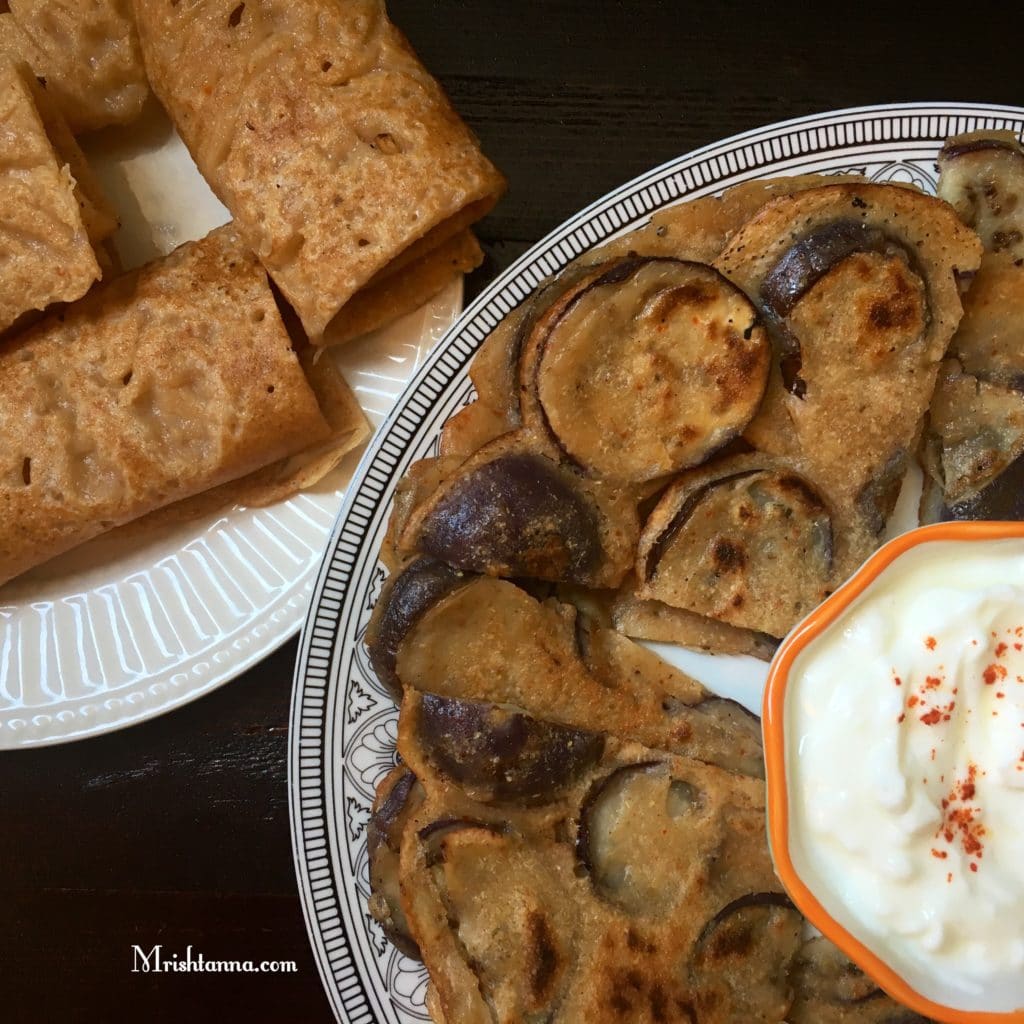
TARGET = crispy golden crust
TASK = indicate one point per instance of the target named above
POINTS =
(866, 335)
(88, 53)
(319, 129)
(746, 540)
(45, 255)
(164, 383)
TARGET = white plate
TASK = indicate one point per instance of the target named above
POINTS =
(118, 631)
(343, 723)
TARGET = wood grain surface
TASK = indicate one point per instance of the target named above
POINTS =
(176, 831)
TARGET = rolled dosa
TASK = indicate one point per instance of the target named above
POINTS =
(98, 215)
(316, 125)
(45, 254)
(383, 301)
(164, 383)
(88, 53)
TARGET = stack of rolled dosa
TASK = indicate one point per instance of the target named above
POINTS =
(343, 164)
(178, 388)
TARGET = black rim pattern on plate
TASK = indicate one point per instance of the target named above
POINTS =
(333, 696)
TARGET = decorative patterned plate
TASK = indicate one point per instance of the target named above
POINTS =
(121, 630)
(342, 722)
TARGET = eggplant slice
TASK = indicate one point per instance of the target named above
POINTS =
(661, 623)
(512, 510)
(858, 283)
(499, 754)
(747, 541)
(398, 798)
(976, 417)
(976, 432)
(637, 809)
(422, 479)
(588, 907)
(742, 956)
(491, 642)
(832, 990)
(645, 367)
(405, 597)
(982, 177)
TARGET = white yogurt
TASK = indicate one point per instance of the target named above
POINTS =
(905, 770)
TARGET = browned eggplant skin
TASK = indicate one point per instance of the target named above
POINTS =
(728, 567)
(982, 176)
(500, 755)
(735, 364)
(810, 258)
(396, 799)
(803, 265)
(686, 510)
(515, 516)
(405, 598)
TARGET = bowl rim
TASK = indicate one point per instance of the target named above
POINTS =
(773, 727)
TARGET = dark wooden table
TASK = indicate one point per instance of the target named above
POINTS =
(176, 831)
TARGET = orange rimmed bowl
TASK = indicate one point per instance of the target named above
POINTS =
(773, 718)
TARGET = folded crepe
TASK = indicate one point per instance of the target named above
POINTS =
(165, 383)
(338, 155)
(88, 53)
(45, 250)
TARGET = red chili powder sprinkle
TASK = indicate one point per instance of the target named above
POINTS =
(949, 877)
(994, 672)
(941, 854)
(1001, 649)
(897, 680)
(932, 682)
(974, 867)
(913, 701)
(930, 643)
(899, 721)
(1018, 647)
(932, 717)
(960, 823)
(1000, 694)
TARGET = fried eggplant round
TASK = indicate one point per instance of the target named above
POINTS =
(982, 175)
(398, 797)
(739, 964)
(747, 542)
(513, 511)
(405, 598)
(501, 755)
(645, 367)
(859, 286)
(645, 837)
